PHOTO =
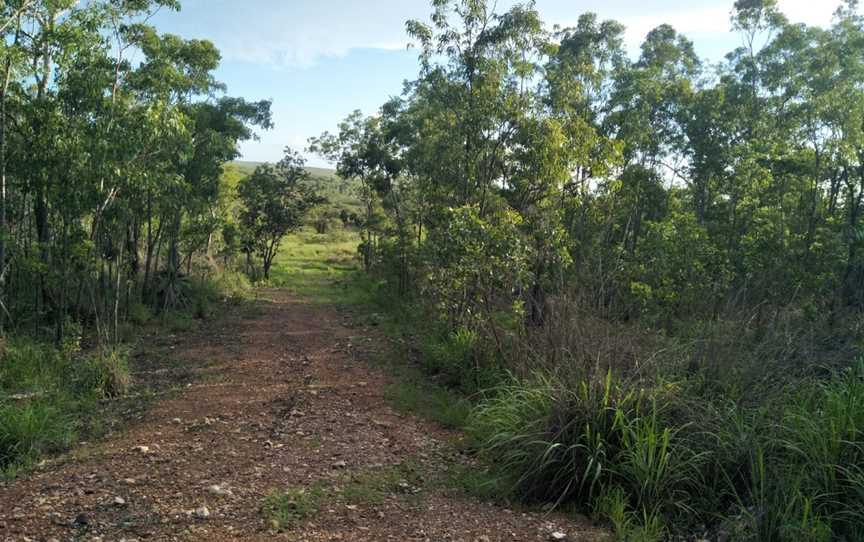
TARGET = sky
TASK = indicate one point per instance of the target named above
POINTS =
(319, 60)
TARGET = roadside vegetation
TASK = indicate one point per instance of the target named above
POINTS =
(119, 209)
(644, 273)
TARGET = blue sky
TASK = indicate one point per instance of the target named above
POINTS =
(318, 60)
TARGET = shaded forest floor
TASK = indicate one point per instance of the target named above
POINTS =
(274, 426)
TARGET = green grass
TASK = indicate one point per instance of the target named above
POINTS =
(49, 398)
(655, 461)
(321, 268)
(285, 509)
(413, 393)
(373, 485)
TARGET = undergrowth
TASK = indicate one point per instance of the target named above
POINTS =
(48, 397)
(52, 395)
(652, 464)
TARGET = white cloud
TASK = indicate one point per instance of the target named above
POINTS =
(700, 21)
(703, 21)
(812, 12)
(296, 32)
(301, 32)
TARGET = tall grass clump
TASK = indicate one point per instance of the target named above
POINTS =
(593, 445)
(657, 460)
(807, 476)
(48, 396)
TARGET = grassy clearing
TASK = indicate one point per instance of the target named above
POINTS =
(320, 267)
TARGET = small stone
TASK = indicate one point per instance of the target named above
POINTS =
(82, 519)
(129, 481)
(176, 421)
(141, 449)
(220, 491)
(119, 501)
(339, 465)
(558, 535)
(202, 513)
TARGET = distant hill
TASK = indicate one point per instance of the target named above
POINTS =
(245, 168)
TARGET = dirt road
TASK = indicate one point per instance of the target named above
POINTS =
(280, 401)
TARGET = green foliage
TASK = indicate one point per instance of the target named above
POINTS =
(807, 479)
(613, 506)
(107, 373)
(111, 192)
(139, 314)
(37, 428)
(459, 360)
(478, 261)
(649, 461)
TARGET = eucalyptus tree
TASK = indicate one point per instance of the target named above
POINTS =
(480, 86)
(105, 162)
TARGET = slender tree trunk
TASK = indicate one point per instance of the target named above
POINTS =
(117, 297)
(148, 262)
(4, 232)
(40, 204)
